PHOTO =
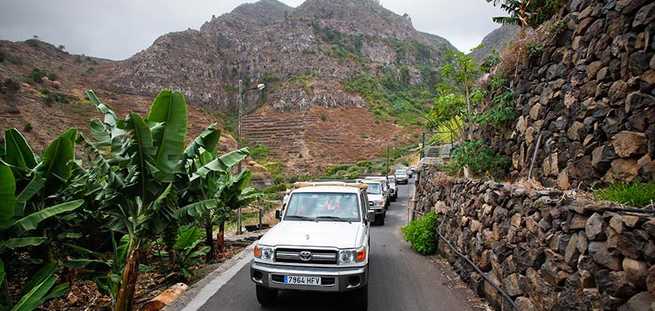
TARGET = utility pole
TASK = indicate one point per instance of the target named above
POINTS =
(240, 104)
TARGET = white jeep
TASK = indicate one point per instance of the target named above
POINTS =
(321, 244)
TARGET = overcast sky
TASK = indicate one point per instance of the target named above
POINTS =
(117, 29)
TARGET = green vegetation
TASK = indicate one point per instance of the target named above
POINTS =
(502, 111)
(259, 152)
(343, 45)
(421, 233)
(637, 194)
(527, 13)
(535, 50)
(490, 61)
(389, 98)
(139, 192)
(52, 97)
(37, 75)
(479, 158)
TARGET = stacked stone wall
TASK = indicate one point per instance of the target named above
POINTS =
(585, 95)
(546, 250)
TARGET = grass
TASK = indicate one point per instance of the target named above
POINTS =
(638, 194)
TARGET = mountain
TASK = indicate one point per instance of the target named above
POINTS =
(495, 40)
(344, 78)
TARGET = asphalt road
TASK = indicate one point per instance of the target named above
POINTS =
(399, 279)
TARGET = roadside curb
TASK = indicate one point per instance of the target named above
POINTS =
(200, 292)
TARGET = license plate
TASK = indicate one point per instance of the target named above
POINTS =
(302, 280)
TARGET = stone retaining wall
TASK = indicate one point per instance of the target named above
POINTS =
(586, 92)
(546, 250)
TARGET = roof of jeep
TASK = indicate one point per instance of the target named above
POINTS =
(327, 189)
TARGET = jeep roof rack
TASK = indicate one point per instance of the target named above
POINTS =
(302, 184)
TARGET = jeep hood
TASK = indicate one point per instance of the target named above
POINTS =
(375, 197)
(315, 234)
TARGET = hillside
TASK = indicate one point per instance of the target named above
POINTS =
(327, 65)
(496, 40)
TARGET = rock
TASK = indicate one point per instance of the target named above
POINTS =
(513, 284)
(516, 220)
(622, 170)
(645, 15)
(620, 285)
(594, 227)
(617, 90)
(577, 222)
(637, 271)
(646, 167)
(616, 223)
(650, 280)
(524, 304)
(601, 157)
(563, 181)
(593, 68)
(571, 253)
(627, 144)
(602, 74)
(166, 297)
(639, 62)
(601, 255)
(639, 302)
(521, 125)
(586, 279)
(630, 220)
(628, 6)
(652, 62)
(630, 244)
(649, 226)
(574, 130)
(534, 111)
(638, 100)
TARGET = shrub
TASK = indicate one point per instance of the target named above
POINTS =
(535, 49)
(28, 127)
(637, 194)
(489, 62)
(479, 158)
(37, 75)
(259, 152)
(421, 233)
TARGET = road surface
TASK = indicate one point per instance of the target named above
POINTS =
(400, 279)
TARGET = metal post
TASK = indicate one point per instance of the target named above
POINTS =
(422, 145)
(240, 105)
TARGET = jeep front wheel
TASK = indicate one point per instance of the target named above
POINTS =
(265, 296)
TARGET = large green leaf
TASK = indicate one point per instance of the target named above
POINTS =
(41, 275)
(144, 144)
(18, 152)
(207, 140)
(35, 185)
(196, 209)
(57, 157)
(170, 108)
(30, 222)
(222, 164)
(7, 194)
(21, 242)
(110, 116)
(187, 237)
(34, 298)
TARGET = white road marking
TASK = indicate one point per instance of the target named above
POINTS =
(216, 284)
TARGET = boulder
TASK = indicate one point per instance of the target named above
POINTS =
(513, 284)
(622, 170)
(637, 271)
(602, 157)
(639, 302)
(594, 227)
(601, 255)
(627, 144)
(524, 304)
(645, 15)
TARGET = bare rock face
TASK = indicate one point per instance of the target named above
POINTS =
(303, 54)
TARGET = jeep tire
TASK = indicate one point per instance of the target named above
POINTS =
(359, 299)
(265, 296)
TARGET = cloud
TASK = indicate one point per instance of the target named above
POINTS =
(120, 28)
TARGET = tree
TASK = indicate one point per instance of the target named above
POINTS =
(526, 12)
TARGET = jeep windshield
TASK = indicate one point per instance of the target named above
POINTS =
(373, 189)
(323, 207)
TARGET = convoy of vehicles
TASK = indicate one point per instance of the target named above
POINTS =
(320, 244)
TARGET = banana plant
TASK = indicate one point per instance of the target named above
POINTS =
(16, 231)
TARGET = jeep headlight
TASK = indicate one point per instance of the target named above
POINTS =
(263, 252)
(351, 256)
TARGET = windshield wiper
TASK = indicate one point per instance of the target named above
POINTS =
(334, 218)
(296, 217)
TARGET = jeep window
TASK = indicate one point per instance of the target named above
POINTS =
(323, 207)
(401, 172)
(373, 189)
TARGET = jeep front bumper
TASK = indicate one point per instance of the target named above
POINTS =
(333, 279)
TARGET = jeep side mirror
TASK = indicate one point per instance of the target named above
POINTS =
(370, 216)
(278, 214)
